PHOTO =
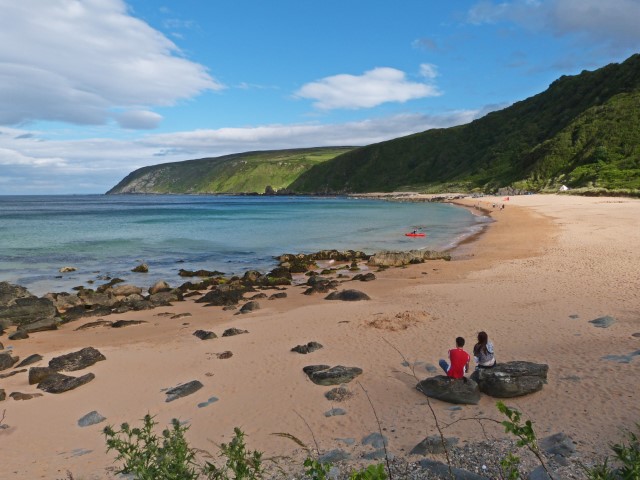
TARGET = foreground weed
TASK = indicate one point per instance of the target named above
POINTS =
(240, 464)
(372, 472)
(627, 456)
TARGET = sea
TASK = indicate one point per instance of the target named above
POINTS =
(106, 236)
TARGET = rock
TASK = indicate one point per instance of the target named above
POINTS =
(450, 390)
(442, 470)
(11, 374)
(164, 299)
(376, 440)
(208, 402)
(98, 323)
(126, 323)
(309, 369)
(338, 394)
(249, 307)
(221, 297)
(126, 290)
(76, 360)
(59, 383)
(29, 360)
(379, 454)
(183, 390)
(27, 310)
(205, 334)
(511, 379)
(92, 299)
(308, 348)
(40, 326)
(332, 376)
(433, 445)
(19, 335)
(24, 396)
(1, 345)
(67, 269)
(603, 322)
(159, 286)
(230, 332)
(278, 295)
(91, 418)
(348, 296)
(334, 456)
(397, 259)
(364, 277)
(558, 444)
(74, 313)
(539, 473)
(7, 360)
(636, 335)
(142, 268)
(224, 355)
(65, 301)
(38, 374)
(199, 273)
(180, 315)
(3, 395)
(9, 293)
(335, 412)
(258, 296)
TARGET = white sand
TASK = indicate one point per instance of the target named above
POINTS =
(546, 258)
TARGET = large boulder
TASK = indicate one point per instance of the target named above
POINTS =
(159, 286)
(7, 360)
(220, 297)
(76, 360)
(9, 293)
(27, 310)
(348, 296)
(59, 383)
(398, 259)
(511, 379)
(125, 290)
(64, 301)
(38, 374)
(41, 325)
(324, 375)
(91, 298)
(164, 299)
(460, 391)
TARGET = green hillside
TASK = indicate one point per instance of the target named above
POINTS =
(237, 173)
(583, 131)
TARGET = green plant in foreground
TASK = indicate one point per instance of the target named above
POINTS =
(316, 470)
(628, 455)
(372, 472)
(240, 462)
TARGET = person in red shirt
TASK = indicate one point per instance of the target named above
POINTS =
(459, 361)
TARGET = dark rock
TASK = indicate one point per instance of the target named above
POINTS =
(81, 311)
(221, 297)
(27, 310)
(11, 374)
(59, 383)
(3, 395)
(460, 391)
(76, 360)
(24, 396)
(19, 335)
(98, 323)
(364, 277)
(603, 322)
(258, 296)
(107, 286)
(379, 454)
(558, 444)
(96, 299)
(40, 326)
(199, 273)
(205, 334)
(180, 315)
(334, 412)
(309, 369)
(308, 348)
(29, 360)
(126, 323)
(332, 376)
(249, 307)
(126, 290)
(9, 293)
(38, 374)
(183, 390)
(142, 268)
(539, 473)
(230, 332)
(636, 335)
(164, 299)
(229, 307)
(348, 296)
(338, 394)
(208, 402)
(334, 456)
(433, 445)
(224, 355)
(511, 379)
(278, 295)
(376, 440)
(398, 259)
(442, 470)
(159, 286)
(91, 418)
(318, 284)
(7, 360)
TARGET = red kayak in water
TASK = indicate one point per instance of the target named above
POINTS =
(416, 234)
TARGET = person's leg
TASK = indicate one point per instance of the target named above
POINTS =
(444, 365)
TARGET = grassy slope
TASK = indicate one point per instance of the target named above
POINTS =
(238, 173)
(583, 130)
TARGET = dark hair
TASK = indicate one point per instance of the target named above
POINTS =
(459, 342)
(481, 346)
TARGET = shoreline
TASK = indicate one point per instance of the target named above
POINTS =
(542, 261)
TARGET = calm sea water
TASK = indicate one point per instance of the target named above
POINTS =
(109, 235)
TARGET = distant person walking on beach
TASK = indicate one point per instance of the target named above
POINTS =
(483, 353)
(459, 361)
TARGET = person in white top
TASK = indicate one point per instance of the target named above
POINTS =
(483, 352)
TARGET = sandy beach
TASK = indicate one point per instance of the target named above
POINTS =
(533, 280)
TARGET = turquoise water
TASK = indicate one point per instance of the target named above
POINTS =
(108, 235)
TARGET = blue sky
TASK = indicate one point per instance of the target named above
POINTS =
(91, 90)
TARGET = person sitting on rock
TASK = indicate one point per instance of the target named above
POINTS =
(483, 352)
(459, 361)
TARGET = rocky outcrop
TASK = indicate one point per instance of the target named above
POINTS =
(142, 268)
(325, 375)
(459, 391)
(9, 293)
(76, 360)
(7, 360)
(318, 284)
(511, 379)
(126, 290)
(364, 277)
(159, 286)
(398, 259)
(59, 383)
(38, 374)
(23, 311)
(40, 326)
(220, 297)
(183, 390)
(199, 273)
(348, 296)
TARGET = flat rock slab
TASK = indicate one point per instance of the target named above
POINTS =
(24, 396)
(442, 470)
(450, 390)
(308, 348)
(11, 374)
(29, 360)
(183, 390)
(76, 360)
(91, 418)
(60, 383)
(603, 322)
(41, 325)
(558, 444)
(348, 296)
(622, 358)
(334, 456)
(97, 323)
(511, 379)
(19, 335)
(334, 412)
(208, 402)
(375, 440)
(433, 445)
(331, 376)
(126, 323)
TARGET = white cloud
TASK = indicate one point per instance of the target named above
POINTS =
(138, 119)
(374, 87)
(428, 70)
(33, 163)
(613, 23)
(74, 61)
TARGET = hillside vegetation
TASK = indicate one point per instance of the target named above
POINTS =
(237, 173)
(583, 131)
